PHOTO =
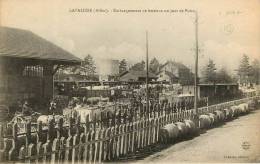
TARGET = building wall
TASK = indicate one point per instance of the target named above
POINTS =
(18, 85)
(163, 77)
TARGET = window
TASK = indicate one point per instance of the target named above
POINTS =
(36, 71)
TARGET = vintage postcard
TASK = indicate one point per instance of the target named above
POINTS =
(159, 81)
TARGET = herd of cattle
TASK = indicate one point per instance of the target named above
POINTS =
(179, 130)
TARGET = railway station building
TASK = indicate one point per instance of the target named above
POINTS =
(28, 63)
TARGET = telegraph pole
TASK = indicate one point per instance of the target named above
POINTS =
(196, 65)
(147, 75)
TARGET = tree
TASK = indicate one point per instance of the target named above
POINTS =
(223, 76)
(122, 66)
(244, 69)
(255, 71)
(209, 72)
(86, 68)
(138, 66)
(154, 66)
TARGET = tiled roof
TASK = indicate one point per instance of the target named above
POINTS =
(177, 64)
(20, 43)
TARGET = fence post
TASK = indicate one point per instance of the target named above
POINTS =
(31, 152)
(101, 145)
(106, 143)
(75, 141)
(69, 141)
(55, 148)
(82, 141)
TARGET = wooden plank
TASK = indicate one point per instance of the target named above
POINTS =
(92, 146)
(121, 140)
(96, 146)
(61, 152)
(82, 141)
(87, 147)
(101, 145)
(55, 147)
(69, 144)
(106, 144)
(46, 149)
(75, 149)
(117, 144)
(111, 144)
(31, 152)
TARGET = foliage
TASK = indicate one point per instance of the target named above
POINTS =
(244, 69)
(122, 66)
(86, 68)
(138, 66)
(255, 71)
(209, 72)
(222, 76)
(154, 66)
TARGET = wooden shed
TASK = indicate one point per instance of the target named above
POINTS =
(27, 65)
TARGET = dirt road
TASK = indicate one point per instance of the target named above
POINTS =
(236, 141)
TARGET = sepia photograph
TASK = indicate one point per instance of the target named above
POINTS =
(152, 81)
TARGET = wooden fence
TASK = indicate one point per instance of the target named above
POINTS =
(95, 141)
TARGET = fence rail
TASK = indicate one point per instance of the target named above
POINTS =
(96, 141)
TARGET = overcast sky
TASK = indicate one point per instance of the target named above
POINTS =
(227, 28)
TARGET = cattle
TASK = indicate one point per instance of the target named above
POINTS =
(220, 115)
(243, 108)
(45, 119)
(213, 118)
(235, 110)
(228, 113)
(252, 104)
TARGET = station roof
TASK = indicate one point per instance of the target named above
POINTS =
(24, 44)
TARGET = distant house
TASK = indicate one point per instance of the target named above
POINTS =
(175, 72)
(167, 77)
(136, 76)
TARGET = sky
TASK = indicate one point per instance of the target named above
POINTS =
(227, 29)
